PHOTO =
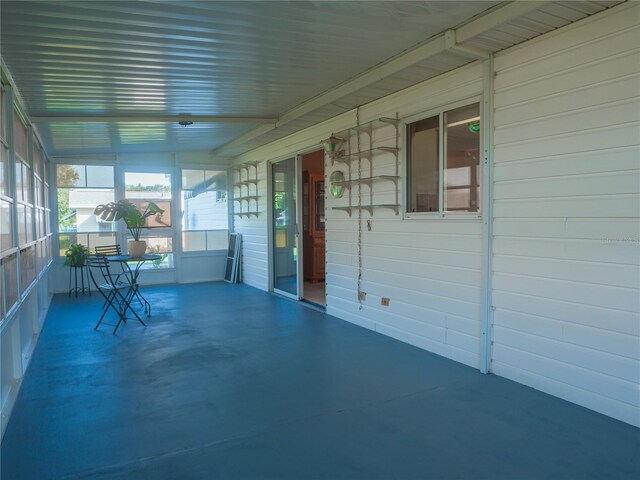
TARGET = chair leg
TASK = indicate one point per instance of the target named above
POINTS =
(126, 302)
(105, 308)
(101, 318)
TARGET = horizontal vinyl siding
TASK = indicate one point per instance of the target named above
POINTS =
(255, 258)
(430, 269)
(566, 248)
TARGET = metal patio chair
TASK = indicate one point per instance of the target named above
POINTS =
(118, 294)
(108, 250)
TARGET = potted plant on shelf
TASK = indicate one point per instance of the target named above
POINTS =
(133, 218)
(76, 255)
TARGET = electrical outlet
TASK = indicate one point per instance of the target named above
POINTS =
(384, 301)
(362, 296)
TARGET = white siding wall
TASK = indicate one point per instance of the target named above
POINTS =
(254, 230)
(430, 269)
(566, 214)
(566, 250)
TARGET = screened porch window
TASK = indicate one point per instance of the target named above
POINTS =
(204, 210)
(80, 188)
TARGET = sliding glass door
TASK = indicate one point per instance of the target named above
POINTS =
(286, 238)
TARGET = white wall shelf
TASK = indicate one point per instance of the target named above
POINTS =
(246, 186)
(354, 158)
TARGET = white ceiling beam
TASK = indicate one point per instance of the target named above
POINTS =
(498, 16)
(433, 47)
(148, 119)
(451, 43)
(502, 14)
(246, 137)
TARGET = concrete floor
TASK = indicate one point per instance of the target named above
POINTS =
(229, 382)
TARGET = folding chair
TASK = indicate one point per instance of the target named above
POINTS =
(117, 294)
(108, 250)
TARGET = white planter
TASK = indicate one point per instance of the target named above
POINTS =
(137, 248)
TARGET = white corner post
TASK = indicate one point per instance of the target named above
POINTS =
(487, 216)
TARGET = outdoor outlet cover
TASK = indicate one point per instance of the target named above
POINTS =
(384, 301)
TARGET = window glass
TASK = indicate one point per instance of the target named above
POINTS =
(19, 184)
(37, 159)
(40, 256)
(10, 280)
(37, 215)
(205, 240)
(448, 178)
(194, 241)
(20, 136)
(27, 266)
(6, 227)
(99, 176)
(21, 225)
(71, 176)
(462, 162)
(89, 240)
(2, 133)
(142, 188)
(76, 206)
(47, 221)
(65, 240)
(424, 165)
(204, 210)
(48, 247)
(28, 219)
(217, 239)
(204, 180)
(162, 246)
(27, 183)
(39, 199)
(78, 197)
(4, 170)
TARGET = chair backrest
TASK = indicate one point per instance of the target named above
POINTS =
(107, 250)
(99, 271)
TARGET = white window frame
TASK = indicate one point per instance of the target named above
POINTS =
(441, 214)
(172, 232)
(229, 174)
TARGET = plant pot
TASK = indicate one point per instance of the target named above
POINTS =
(137, 248)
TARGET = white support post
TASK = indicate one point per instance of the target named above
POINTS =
(487, 216)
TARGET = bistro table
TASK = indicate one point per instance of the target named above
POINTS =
(133, 273)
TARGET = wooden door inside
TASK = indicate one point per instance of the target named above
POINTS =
(313, 227)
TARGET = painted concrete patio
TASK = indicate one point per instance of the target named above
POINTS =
(230, 382)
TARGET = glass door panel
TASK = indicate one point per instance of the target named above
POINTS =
(285, 228)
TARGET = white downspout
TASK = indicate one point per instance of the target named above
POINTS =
(487, 217)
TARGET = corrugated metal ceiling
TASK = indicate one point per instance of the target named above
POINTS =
(239, 59)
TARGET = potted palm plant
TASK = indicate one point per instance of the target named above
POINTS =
(133, 218)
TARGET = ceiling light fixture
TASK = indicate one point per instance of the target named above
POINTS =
(185, 123)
